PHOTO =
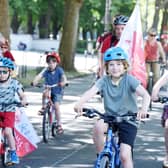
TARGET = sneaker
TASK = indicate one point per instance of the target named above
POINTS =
(13, 157)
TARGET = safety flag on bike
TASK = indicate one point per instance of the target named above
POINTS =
(25, 135)
(132, 42)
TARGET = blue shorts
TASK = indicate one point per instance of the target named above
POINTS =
(127, 133)
(56, 98)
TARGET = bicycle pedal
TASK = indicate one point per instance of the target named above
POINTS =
(9, 164)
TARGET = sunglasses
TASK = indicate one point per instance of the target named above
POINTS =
(3, 72)
(152, 35)
(4, 47)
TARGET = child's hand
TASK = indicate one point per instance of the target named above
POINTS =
(32, 84)
(78, 109)
(24, 103)
(142, 114)
(154, 97)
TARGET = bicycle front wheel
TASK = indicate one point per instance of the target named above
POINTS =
(46, 126)
(104, 162)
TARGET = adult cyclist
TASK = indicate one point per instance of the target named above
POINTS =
(112, 39)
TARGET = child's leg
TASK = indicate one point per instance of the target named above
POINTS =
(44, 96)
(98, 135)
(9, 120)
(127, 135)
(166, 142)
(126, 155)
(57, 113)
(11, 140)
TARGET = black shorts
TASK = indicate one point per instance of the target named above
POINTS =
(127, 133)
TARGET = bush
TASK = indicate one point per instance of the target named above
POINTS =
(82, 46)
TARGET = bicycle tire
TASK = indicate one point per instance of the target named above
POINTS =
(3, 159)
(54, 129)
(104, 162)
(46, 126)
(150, 85)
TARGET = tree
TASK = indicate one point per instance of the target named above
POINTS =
(4, 19)
(164, 27)
(70, 33)
(156, 15)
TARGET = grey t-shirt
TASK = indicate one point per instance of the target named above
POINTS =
(119, 99)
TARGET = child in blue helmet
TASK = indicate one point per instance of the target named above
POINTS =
(119, 90)
(8, 89)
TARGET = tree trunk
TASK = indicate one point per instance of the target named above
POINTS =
(70, 32)
(44, 23)
(15, 22)
(156, 16)
(4, 18)
(164, 28)
(30, 22)
(107, 17)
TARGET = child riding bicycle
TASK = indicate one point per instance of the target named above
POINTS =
(9, 87)
(119, 90)
(53, 74)
(155, 95)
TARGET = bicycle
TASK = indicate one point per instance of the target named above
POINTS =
(4, 147)
(49, 123)
(151, 76)
(109, 157)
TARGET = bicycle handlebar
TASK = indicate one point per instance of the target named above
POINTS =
(162, 100)
(91, 113)
(48, 86)
(18, 104)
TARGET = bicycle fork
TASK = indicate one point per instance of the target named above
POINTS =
(111, 149)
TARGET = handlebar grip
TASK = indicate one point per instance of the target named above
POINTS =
(147, 116)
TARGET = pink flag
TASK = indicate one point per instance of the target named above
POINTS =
(132, 42)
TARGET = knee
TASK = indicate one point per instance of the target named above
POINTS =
(166, 124)
(125, 155)
(8, 132)
(98, 128)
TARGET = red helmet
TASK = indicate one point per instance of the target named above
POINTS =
(164, 36)
(55, 55)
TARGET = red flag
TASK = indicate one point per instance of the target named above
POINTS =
(132, 42)
(24, 146)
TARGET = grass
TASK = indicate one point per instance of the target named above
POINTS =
(28, 77)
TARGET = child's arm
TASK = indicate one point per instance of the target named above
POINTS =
(140, 90)
(161, 82)
(38, 78)
(22, 97)
(85, 97)
(63, 80)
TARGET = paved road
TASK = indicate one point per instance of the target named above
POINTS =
(75, 148)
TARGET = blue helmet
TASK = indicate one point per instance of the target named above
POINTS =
(7, 63)
(115, 53)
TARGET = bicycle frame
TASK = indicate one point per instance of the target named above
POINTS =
(49, 118)
(50, 105)
(111, 149)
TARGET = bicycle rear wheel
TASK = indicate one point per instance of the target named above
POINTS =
(46, 126)
(104, 162)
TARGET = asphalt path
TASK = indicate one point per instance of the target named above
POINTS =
(75, 149)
